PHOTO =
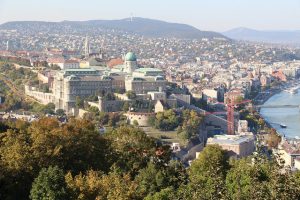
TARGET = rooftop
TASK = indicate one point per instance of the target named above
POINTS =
(148, 69)
(130, 56)
(80, 70)
(71, 61)
(230, 139)
(291, 146)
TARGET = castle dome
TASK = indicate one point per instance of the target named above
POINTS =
(130, 56)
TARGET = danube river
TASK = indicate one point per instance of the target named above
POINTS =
(287, 116)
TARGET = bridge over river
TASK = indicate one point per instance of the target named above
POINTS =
(278, 106)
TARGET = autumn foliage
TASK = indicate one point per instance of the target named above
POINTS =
(47, 159)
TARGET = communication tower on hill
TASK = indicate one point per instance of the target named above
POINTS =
(131, 17)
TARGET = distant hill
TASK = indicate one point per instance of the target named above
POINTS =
(288, 37)
(142, 26)
(155, 28)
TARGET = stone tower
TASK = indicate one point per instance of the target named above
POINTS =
(130, 63)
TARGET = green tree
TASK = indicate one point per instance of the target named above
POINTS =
(12, 102)
(126, 106)
(261, 123)
(44, 88)
(130, 94)
(207, 174)
(16, 173)
(247, 181)
(89, 116)
(93, 98)
(273, 139)
(103, 118)
(150, 180)
(156, 177)
(190, 125)
(3, 127)
(282, 182)
(113, 118)
(87, 186)
(94, 110)
(151, 121)
(164, 194)
(49, 185)
(75, 146)
(261, 178)
(167, 120)
(132, 148)
(49, 108)
(60, 112)
(54, 67)
(79, 102)
(135, 123)
(96, 185)
(109, 96)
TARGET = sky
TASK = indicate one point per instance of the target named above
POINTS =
(214, 15)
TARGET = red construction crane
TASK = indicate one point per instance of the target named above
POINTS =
(231, 104)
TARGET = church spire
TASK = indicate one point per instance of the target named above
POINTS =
(86, 47)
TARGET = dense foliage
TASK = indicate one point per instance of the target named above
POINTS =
(190, 123)
(12, 81)
(18, 60)
(166, 121)
(187, 122)
(50, 184)
(19, 76)
(49, 160)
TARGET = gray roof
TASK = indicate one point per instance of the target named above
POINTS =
(230, 139)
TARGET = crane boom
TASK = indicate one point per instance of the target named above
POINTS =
(231, 104)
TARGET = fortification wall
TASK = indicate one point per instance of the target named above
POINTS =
(141, 118)
(42, 97)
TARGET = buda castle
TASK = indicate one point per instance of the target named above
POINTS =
(84, 82)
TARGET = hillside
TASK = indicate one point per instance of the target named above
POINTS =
(141, 26)
(155, 28)
(288, 37)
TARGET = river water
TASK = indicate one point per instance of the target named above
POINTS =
(287, 116)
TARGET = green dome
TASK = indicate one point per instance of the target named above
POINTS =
(130, 57)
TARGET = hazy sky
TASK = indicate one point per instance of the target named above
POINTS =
(217, 15)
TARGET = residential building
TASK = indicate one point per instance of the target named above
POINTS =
(289, 151)
(237, 145)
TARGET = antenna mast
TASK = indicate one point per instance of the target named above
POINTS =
(131, 17)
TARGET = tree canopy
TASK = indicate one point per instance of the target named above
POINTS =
(47, 159)
(50, 184)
